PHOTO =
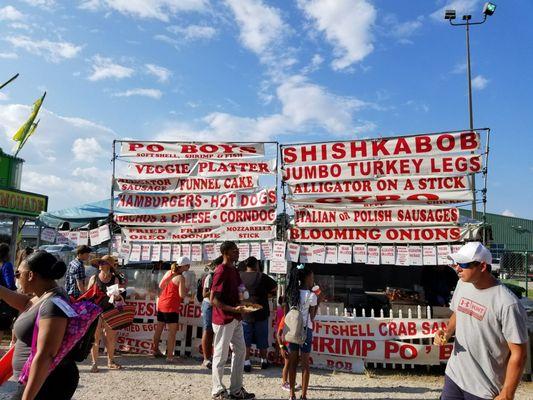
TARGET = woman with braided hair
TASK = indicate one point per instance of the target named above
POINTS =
(299, 295)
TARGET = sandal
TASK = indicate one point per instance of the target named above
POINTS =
(158, 354)
(114, 365)
(94, 368)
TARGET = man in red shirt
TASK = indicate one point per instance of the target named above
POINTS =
(227, 326)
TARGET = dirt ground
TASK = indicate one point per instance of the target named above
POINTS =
(148, 378)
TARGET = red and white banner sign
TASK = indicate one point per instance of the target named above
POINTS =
(379, 329)
(306, 253)
(201, 218)
(373, 255)
(420, 145)
(232, 200)
(383, 186)
(336, 345)
(266, 250)
(359, 253)
(48, 235)
(190, 168)
(331, 255)
(278, 250)
(399, 199)
(160, 150)
(344, 254)
(228, 168)
(434, 165)
(83, 238)
(388, 255)
(195, 234)
(187, 185)
(402, 256)
(135, 253)
(255, 250)
(415, 255)
(375, 235)
(429, 255)
(156, 252)
(278, 267)
(293, 251)
(387, 216)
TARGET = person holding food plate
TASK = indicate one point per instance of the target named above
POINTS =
(227, 326)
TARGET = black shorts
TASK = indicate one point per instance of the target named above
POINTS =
(168, 317)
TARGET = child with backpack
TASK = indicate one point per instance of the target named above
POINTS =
(284, 352)
(302, 307)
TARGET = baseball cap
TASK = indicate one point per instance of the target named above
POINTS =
(183, 261)
(471, 251)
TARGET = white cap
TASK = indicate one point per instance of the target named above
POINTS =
(183, 261)
(472, 251)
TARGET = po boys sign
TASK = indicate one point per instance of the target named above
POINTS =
(191, 150)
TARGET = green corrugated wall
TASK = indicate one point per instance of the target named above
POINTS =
(514, 233)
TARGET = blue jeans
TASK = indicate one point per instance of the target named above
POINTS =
(453, 392)
(306, 347)
(207, 316)
(256, 332)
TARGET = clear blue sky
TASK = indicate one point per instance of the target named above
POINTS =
(259, 70)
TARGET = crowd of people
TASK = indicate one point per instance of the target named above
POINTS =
(488, 323)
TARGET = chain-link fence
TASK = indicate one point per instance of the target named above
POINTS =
(516, 270)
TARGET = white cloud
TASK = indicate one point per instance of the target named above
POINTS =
(314, 65)
(347, 26)
(152, 93)
(261, 26)
(105, 68)
(9, 56)
(402, 31)
(153, 9)
(91, 173)
(52, 51)
(459, 68)
(40, 3)
(4, 96)
(461, 6)
(49, 161)
(305, 102)
(508, 213)
(161, 73)
(64, 191)
(306, 107)
(166, 39)
(10, 13)
(193, 32)
(87, 149)
(479, 82)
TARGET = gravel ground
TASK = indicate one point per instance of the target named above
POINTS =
(148, 378)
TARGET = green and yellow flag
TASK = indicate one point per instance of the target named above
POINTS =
(27, 129)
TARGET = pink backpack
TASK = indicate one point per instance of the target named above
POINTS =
(79, 328)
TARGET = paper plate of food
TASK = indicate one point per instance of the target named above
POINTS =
(251, 307)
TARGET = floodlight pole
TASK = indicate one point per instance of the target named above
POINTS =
(470, 111)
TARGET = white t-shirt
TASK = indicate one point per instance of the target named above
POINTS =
(486, 320)
(307, 299)
(208, 281)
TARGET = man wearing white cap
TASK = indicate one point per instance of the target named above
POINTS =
(489, 323)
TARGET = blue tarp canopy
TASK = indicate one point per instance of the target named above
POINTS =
(85, 213)
(77, 216)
